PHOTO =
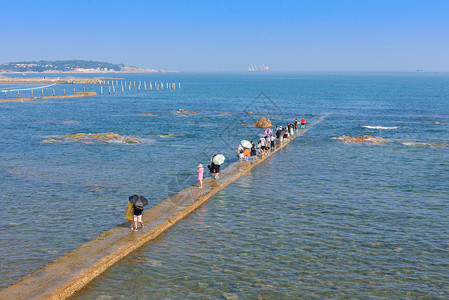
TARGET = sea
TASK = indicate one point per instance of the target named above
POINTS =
(319, 219)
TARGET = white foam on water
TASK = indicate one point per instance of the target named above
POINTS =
(114, 141)
(381, 127)
(183, 146)
(414, 143)
(433, 144)
(145, 141)
(170, 135)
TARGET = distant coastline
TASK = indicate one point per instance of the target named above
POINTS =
(93, 72)
(89, 72)
(52, 80)
(72, 66)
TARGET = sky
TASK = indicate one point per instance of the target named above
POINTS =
(229, 36)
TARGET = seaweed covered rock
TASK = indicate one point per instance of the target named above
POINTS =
(184, 111)
(263, 123)
(361, 139)
(89, 138)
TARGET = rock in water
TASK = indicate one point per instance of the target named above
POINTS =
(90, 138)
(361, 139)
(263, 123)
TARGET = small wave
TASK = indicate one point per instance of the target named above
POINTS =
(415, 144)
(381, 127)
(57, 122)
(184, 146)
(70, 122)
(145, 141)
(115, 141)
(16, 224)
(168, 135)
(424, 144)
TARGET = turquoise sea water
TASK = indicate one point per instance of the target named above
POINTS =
(319, 219)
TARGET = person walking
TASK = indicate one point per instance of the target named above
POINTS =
(303, 123)
(272, 138)
(286, 133)
(246, 153)
(129, 213)
(278, 131)
(214, 169)
(263, 145)
(253, 151)
(240, 151)
(138, 210)
(200, 171)
(281, 135)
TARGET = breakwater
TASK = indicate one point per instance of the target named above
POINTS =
(68, 274)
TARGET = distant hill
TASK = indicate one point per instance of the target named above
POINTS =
(71, 66)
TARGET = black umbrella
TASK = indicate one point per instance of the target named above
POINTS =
(138, 200)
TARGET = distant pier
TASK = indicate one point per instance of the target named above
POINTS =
(74, 95)
(111, 84)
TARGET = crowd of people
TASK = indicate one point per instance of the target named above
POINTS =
(269, 140)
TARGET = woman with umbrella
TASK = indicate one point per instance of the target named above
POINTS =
(138, 203)
(214, 166)
(247, 145)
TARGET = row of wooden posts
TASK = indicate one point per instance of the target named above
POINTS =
(113, 84)
(32, 93)
(157, 86)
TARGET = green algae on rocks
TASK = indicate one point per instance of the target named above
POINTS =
(90, 138)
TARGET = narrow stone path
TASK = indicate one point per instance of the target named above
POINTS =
(71, 272)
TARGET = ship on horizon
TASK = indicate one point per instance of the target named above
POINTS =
(260, 68)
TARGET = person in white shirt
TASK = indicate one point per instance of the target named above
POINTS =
(263, 145)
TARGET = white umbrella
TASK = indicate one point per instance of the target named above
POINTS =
(245, 144)
(218, 159)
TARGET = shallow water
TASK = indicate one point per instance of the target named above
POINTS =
(319, 219)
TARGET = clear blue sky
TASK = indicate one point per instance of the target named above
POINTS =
(217, 36)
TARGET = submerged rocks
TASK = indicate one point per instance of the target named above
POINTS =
(184, 111)
(362, 139)
(263, 123)
(90, 138)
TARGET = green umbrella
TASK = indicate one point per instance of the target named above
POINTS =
(218, 159)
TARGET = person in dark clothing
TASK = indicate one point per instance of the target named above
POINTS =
(214, 169)
(253, 151)
(211, 168)
(137, 217)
